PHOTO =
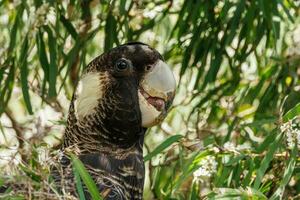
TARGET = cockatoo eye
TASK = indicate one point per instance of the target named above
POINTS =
(121, 65)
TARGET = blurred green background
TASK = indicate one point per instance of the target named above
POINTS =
(233, 131)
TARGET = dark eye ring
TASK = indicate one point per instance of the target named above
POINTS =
(121, 65)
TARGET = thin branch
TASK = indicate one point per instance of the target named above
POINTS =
(16, 126)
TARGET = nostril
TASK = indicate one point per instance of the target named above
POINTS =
(149, 67)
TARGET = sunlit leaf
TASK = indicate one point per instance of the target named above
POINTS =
(168, 142)
(292, 113)
(85, 176)
(267, 159)
(24, 75)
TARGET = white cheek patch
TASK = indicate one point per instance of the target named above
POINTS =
(88, 93)
(149, 113)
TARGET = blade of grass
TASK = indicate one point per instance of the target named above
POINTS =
(87, 179)
(287, 175)
(267, 141)
(250, 168)
(188, 53)
(168, 142)
(43, 60)
(110, 33)
(214, 68)
(287, 11)
(30, 173)
(79, 185)
(235, 160)
(70, 59)
(191, 165)
(186, 6)
(7, 89)
(24, 75)
(42, 55)
(266, 161)
(13, 33)
(195, 191)
(234, 22)
(69, 26)
(221, 175)
(52, 65)
(292, 113)
(240, 193)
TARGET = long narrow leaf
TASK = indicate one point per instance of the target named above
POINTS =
(69, 26)
(13, 33)
(79, 185)
(24, 75)
(110, 31)
(287, 174)
(292, 113)
(168, 142)
(266, 161)
(87, 179)
(53, 62)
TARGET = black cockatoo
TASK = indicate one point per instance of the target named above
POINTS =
(122, 93)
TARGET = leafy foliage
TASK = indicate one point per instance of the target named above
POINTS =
(237, 65)
(79, 169)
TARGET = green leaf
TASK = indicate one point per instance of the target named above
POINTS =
(43, 60)
(30, 173)
(53, 62)
(287, 11)
(1, 75)
(2, 2)
(6, 92)
(267, 13)
(222, 175)
(24, 75)
(276, 30)
(43, 55)
(79, 185)
(292, 113)
(37, 3)
(69, 26)
(214, 67)
(71, 58)
(17, 197)
(13, 32)
(239, 193)
(266, 161)
(235, 160)
(188, 52)
(122, 7)
(87, 179)
(190, 166)
(250, 167)
(287, 175)
(168, 142)
(186, 6)
(267, 141)
(267, 97)
(1, 181)
(234, 22)
(195, 191)
(110, 31)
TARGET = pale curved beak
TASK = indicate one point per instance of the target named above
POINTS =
(157, 91)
